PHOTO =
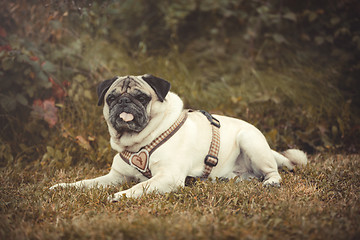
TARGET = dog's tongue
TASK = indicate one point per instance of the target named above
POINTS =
(127, 117)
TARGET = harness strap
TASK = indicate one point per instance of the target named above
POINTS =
(211, 160)
(140, 159)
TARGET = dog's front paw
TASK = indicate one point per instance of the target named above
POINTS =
(116, 197)
(271, 183)
(59, 185)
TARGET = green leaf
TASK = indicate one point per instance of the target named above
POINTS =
(22, 58)
(312, 16)
(329, 39)
(279, 38)
(44, 133)
(48, 67)
(44, 82)
(55, 24)
(334, 20)
(319, 40)
(23, 147)
(87, 94)
(290, 16)
(35, 66)
(7, 63)
(30, 91)
(263, 9)
(50, 150)
(21, 99)
(58, 154)
(8, 103)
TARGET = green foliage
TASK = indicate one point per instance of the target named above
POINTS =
(146, 23)
(23, 78)
(38, 73)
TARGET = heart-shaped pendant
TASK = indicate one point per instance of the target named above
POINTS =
(140, 160)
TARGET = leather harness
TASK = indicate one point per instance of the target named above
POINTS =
(140, 159)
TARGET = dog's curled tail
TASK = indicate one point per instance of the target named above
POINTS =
(290, 158)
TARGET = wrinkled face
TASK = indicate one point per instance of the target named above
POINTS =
(128, 103)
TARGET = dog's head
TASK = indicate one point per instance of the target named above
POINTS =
(128, 100)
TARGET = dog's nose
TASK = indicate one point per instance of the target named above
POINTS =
(124, 100)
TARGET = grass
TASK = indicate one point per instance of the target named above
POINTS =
(320, 201)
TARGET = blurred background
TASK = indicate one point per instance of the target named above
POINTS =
(291, 68)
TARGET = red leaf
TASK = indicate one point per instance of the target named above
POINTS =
(83, 142)
(51, 80)
(5, 48)
(66, 83)
(57, 91)
(50, 115)
(37, 102)
(37, 109)
(3, 32)
(34, 58)
(45, 110)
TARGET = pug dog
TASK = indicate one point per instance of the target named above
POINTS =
(139, 109)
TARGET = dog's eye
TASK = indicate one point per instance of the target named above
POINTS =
(110, 98)
(143, 99)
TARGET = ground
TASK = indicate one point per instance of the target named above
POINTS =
(320, 201)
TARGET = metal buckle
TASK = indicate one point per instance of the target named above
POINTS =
(212, 120)
(215, 122)
(210, 163)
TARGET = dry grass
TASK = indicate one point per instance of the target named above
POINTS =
(320, 201)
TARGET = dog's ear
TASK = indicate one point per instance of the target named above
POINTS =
(160, 86)
(103, 87)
